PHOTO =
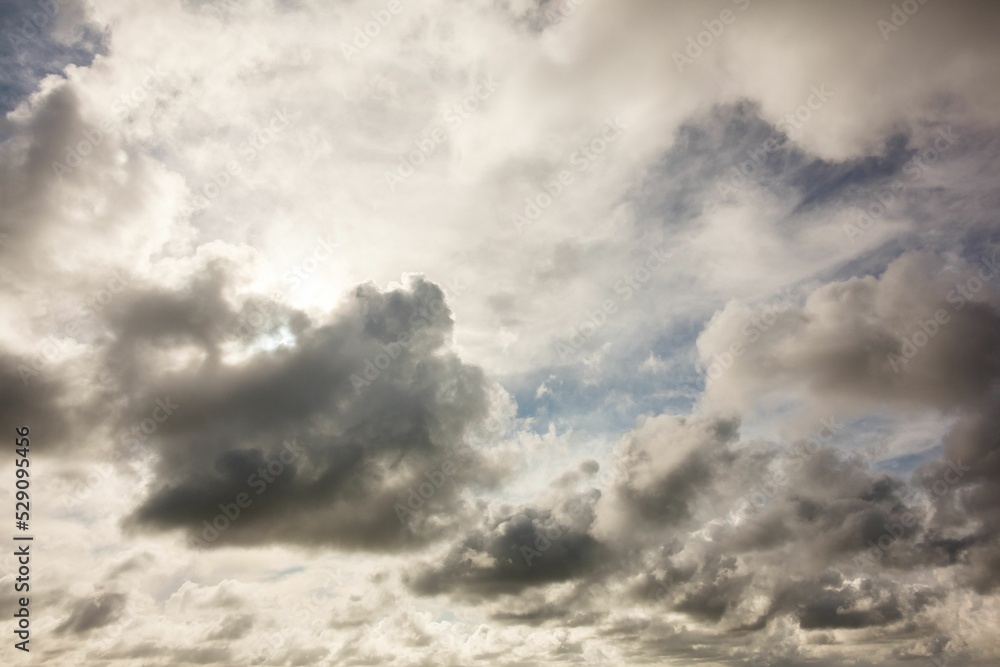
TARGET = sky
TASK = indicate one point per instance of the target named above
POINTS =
(500, 332)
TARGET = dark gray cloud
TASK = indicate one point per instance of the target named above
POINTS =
(528, 547)
(829, 601)
(967, 514)
(793, 515)
(327, 436)
(825, 541)
(35, 396)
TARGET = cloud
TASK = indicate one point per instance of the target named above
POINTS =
(326, 436)
(42, 39)
(923, 336)
(661, 467)
(232, 627)
(91, 613)
(691, 485)
(699, 522)
(909, 337)
(524, 548)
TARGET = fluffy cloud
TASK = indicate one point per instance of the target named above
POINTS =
(778, 446)
(923, 336)
(345, 420)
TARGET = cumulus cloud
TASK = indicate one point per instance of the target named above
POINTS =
(519, 549)
(778, 446)
(326, 435)
(695, 520)
(922, 336)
